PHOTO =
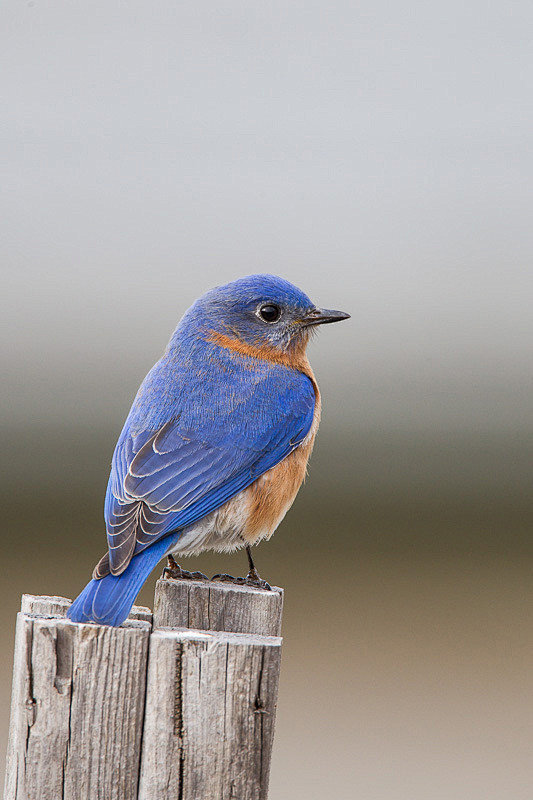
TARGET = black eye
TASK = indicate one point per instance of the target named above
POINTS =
(270, 313)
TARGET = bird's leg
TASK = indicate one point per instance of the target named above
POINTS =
(173, 570)
(252, 579)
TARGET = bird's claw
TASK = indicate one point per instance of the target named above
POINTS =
(223, 577)
(173, 570)
(252, 579)
(183, 574)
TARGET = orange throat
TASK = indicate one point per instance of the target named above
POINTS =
(296, 358)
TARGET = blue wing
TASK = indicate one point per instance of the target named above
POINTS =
(224, 432)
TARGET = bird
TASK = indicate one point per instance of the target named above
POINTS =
(216, 444)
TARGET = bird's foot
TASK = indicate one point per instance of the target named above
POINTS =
(183, 574)
(252, 579)
(223, 577)
(173, 570)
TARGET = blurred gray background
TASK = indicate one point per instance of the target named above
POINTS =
(379, 156)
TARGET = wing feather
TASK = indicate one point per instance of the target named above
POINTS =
(165, 479)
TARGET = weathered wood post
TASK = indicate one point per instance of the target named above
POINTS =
(210, 606)
(200, 689)
(77, 706)
(211, 692)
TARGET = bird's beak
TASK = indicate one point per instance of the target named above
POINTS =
(323, 316)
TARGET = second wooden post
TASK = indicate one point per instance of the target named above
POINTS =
(211, 694)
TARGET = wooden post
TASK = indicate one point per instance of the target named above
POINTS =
(77, 707)
(211, 693)
(202, 698)
(210, 711)
(213, 606)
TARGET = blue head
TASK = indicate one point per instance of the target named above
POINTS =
(259, 310)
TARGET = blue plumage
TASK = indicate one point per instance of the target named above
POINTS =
(228, 401)
(108, 600)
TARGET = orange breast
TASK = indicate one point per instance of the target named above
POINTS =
(271, 496)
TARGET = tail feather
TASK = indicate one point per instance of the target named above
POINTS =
(108, 600)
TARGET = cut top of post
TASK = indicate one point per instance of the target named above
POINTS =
(53, 606)
(211, 606)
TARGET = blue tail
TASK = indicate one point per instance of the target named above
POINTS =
(108, 600)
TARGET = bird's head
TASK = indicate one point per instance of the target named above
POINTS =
(261, 311)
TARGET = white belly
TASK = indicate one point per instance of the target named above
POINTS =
(221, 530)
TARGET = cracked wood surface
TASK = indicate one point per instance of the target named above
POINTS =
(210, 712)
(77, 707)
(212, 606)
(79, 690)
(53, 606)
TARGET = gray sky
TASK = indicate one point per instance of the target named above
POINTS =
(377, 154)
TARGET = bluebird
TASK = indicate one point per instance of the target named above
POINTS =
(216, 444)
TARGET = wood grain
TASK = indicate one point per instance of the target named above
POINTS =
(207, 726)
(77, 710)
(212, 606)
(210, 712)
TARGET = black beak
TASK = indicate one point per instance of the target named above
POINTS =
(323, 316)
